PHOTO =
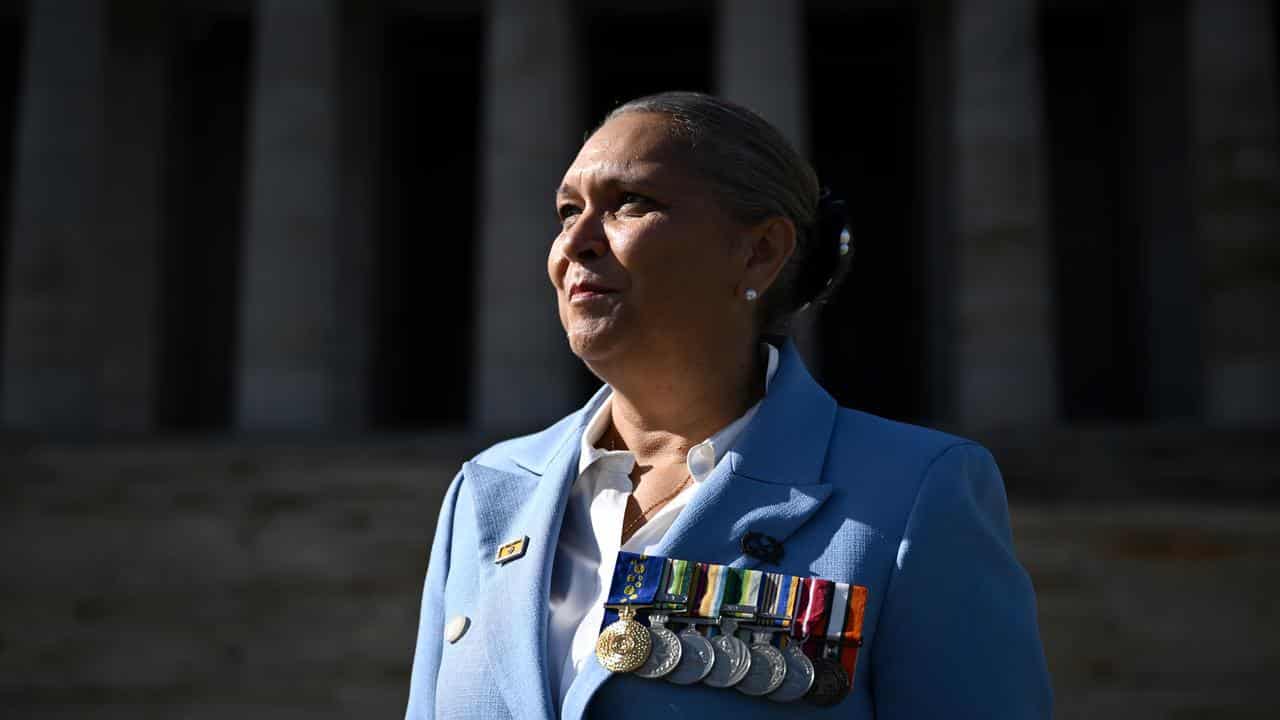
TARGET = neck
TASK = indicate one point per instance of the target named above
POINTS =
(660, 409)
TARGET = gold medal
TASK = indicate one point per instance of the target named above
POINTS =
(624, 645)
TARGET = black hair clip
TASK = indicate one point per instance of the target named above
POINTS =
(832, 254)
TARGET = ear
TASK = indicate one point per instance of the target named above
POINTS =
(767, 248)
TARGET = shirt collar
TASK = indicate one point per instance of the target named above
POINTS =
(701, 458)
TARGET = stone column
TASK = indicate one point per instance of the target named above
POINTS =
(760, 63)
(525, 373)
(1238, 202)
(1004, 356)
(50, 375)
(937, 199)
(1162, 122)
(293, 370)
(360, 120)
(129, 295)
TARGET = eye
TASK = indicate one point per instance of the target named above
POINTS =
(634, 200)
(567, 211)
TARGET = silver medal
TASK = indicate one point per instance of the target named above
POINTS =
(799, 677)
(666, 652)
(733, 658)
(768, 668)
(697, 657)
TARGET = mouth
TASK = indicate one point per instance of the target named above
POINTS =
(584, 291)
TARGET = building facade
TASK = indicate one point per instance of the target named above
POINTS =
(316, 215)
(232, 219)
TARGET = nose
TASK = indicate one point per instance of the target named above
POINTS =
(585, 239)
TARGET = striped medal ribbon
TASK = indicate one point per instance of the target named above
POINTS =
(779, 597)
(677, 582)
(741, 593)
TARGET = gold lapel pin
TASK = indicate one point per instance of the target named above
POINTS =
(513, 550)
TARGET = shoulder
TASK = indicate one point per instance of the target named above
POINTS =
(865, 438)
(893, 464)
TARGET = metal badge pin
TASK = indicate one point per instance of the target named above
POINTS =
(513, 550)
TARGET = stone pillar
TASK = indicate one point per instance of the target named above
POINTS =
(129, 293)
(1238, 202)
(296, 339)
(525, 373)
(50, 375)
(1003, 294)
(79, 324)
(935, 164)
(760, 63)
(360, 120)
(1171, 296)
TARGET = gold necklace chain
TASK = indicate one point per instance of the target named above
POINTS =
(641, 518)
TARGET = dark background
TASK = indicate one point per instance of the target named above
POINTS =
(163, 557)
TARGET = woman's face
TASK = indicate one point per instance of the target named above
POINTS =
(646, 261)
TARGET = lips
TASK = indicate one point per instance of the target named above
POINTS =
(588, 290)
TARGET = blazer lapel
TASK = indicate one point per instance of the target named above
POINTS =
(770, 482)
(509, 506)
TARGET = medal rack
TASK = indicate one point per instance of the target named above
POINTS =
(802, 634)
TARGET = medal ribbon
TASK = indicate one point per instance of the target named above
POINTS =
(851, 636)
(677, 578)
(780, 602)
(697, 588)
(741, 593)
(636, 579)
(811, 620)
(764, 604)
(838, 614)
(811, 617)
(710, 593)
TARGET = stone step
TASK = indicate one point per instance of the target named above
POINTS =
(178, 578)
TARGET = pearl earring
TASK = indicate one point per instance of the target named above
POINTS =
(751, 294)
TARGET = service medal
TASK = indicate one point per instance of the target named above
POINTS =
(733, 658)
(830, 683)
(697, 657)
(768, 668)
(625, 645)
(799, 677)
(666, 651)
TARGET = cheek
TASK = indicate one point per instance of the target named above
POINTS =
(672, 280)
(679, 290)
(555, 263)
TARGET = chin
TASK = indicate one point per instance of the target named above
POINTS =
(594, 341)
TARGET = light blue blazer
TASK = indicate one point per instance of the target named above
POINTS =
(917, 516)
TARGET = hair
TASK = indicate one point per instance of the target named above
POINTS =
(757, 174)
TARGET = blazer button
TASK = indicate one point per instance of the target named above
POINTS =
(456, 628)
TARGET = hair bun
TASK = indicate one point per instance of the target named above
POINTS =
(830, 254)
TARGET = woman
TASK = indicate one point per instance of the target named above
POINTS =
(691, 233)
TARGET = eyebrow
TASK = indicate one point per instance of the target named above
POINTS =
(612, 178)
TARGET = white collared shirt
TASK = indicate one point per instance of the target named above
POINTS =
(592, 529)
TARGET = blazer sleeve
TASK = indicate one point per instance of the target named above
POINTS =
(958, 636)
(426, 657)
